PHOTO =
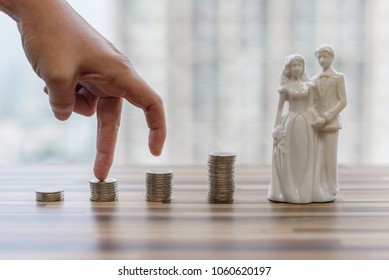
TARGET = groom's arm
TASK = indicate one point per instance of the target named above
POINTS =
(341, 100)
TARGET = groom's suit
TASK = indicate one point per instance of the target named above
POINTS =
(329, 102)
(331, 98)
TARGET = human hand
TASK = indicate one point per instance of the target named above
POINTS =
(85, 73)
(318, 122)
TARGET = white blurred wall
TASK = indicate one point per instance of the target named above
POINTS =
(216, 63)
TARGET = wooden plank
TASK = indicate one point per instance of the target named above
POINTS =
(355, 226)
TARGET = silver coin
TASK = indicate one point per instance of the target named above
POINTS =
(221, 177)
(222, 154)
(103, 191)
(49, 194)
(159, 172)
(159, 184)
(106, 181)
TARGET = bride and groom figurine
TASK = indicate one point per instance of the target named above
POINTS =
(304, 160)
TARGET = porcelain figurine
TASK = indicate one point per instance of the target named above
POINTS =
(331, 100)
(304, 165)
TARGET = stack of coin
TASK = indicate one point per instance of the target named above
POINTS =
(221, 177)
(49, 194)
(103, 191)
(159, 184)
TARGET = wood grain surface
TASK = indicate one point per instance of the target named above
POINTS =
(355, 226)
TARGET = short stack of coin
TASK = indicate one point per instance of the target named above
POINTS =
(103, 191)
(221, 177)
(159, 185)
(49, 194)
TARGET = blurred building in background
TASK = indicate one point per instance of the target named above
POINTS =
(217, 65)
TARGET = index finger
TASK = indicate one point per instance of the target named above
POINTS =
(108, 122)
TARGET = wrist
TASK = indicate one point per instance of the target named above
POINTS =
(16, 9)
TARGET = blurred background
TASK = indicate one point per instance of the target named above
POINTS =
(217, 65)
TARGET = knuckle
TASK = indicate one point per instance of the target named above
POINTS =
(58, 78)
(159, 100)
(57, 81)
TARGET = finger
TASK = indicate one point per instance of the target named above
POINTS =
(61, 97)
(155, 118)
(108, 122)
(86, 102)
(139, 93)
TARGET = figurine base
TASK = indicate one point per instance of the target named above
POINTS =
(303, 203)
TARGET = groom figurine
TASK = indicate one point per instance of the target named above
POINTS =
(330, 100)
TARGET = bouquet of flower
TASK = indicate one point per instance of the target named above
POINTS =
(278, 136)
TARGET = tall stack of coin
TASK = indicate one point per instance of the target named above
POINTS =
(159, 184)
(49, 194)
(221, 177)
(104, 191)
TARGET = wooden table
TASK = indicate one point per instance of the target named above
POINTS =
(355, 226)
